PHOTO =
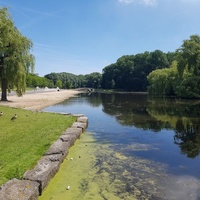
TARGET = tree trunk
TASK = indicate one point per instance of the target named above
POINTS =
(3, 90)
(3, 80)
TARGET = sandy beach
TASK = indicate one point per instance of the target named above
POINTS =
(38, 100)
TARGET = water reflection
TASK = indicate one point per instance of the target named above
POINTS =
(156, 114)
(187, 136)
(143, 146)
(184, 118)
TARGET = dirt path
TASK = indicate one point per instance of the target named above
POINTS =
(37, 100)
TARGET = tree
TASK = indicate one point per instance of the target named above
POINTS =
(93, 80)
(59, 83)
(33, 80)
(182, 79)
(15, 58)
(163, 82)
(130, 71)
(68, 80)
(189, 87)
(188, 56)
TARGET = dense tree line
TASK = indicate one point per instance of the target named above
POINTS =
(161, 74)
(182, 79)
(69, 81)
(130, 72)
(65, 80)
(34, 80)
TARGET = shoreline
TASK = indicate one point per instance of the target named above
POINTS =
(36, 101)
(35, 180)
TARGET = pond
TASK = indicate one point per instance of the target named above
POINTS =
(136, 147)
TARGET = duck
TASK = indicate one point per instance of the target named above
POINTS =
(1, 113)
(14, 117)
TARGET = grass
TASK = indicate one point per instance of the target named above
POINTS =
(24, 140)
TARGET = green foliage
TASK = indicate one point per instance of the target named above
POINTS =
(59, 83)
(189, 87)
(69, 80)
(82, 81)
(162, 81)
(184, 80)
(33, 81)
(130, 71)
(93, 80)
(25, 140)
(15, 57)
(188, 56)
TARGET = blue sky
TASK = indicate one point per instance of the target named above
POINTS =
(84, 36)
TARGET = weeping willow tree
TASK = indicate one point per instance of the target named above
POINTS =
(15, 57)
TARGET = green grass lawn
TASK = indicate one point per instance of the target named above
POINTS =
(24, 140)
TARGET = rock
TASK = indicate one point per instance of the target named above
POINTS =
(19, 190)
(79, 125)
(37, 179)
(58, 147)
(74, 131)
(70, 135)
(70, 139)
(78, 115)
(55, 157)
(43, 172)
(82, 120)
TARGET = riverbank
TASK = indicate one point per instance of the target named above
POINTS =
(35, 180)
(37, 100)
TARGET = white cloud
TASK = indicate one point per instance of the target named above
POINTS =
(144, 2)
(148, 2)
(126, 1)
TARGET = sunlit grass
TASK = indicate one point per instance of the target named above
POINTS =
(24, 140)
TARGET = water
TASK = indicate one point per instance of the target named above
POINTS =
(136, 148)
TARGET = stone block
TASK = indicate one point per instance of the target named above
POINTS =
(37, 179)
(58, 147)
(77, 131)
(19, 190)
(82, 119)
(78, 115)
(70, 139)
(79, 125)
(43, 172)
(55, 157)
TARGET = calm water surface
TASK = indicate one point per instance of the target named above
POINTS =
(136, 147)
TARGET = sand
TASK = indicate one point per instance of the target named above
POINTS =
(37, 100)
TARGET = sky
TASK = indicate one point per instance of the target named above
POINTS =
(84, 36)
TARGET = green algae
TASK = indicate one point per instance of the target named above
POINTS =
(98, 171)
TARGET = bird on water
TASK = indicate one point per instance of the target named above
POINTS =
(14, 117)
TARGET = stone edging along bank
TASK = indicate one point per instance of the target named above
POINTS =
(34, 181)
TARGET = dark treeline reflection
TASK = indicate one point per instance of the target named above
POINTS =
(141, 111)
(183, 117)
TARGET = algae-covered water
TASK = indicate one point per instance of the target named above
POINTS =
(91, 174)
(134, 148)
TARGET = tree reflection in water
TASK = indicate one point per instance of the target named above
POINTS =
(187, 136)
(145, 112)
(136, 148)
